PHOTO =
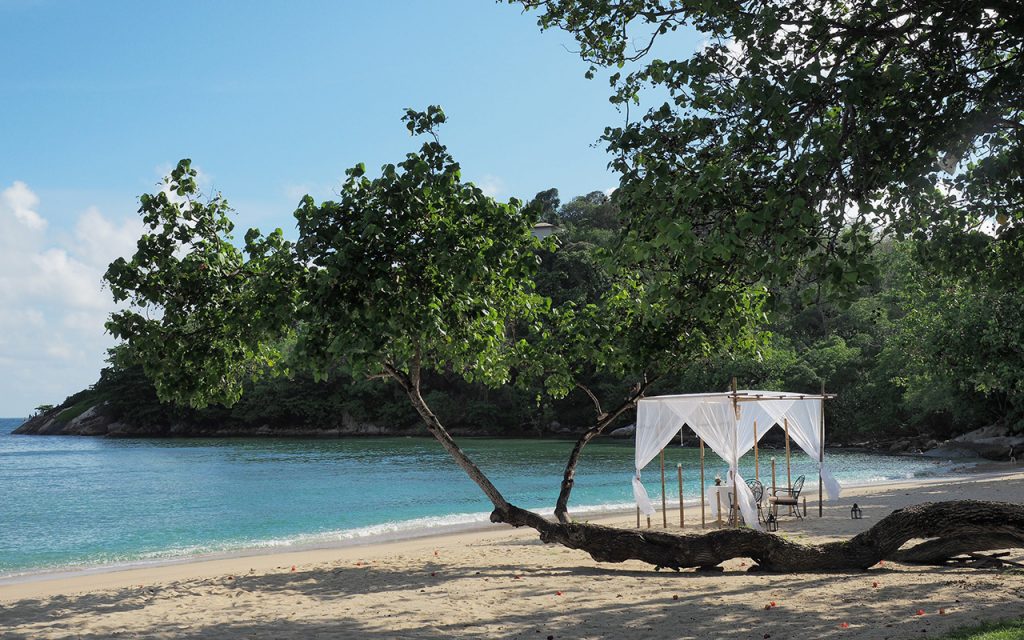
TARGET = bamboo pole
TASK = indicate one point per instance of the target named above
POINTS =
(734, 502)
(773, 480)
(648, 522)
(821, 446)
(718, 505)
(664, 511)
(703, 521)
(789, 479)
(638, 517)
(682, 517)
(757, 467)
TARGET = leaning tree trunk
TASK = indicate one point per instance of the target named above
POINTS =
(950, 528)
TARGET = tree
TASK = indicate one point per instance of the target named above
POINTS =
(802, 127)
(546, 203)
(592, 211)
(204, 316)
(416, 270)
(957, 346)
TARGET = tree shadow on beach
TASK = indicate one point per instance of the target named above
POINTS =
(597, 602)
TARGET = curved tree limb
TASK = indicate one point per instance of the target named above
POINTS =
(603, 420)
(941, 550)
(975, 524)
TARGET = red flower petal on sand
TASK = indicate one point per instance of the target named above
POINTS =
(293, 567)
(874, 585)
(844, 625)
(558, 593)
(773, 603)
(920, 612)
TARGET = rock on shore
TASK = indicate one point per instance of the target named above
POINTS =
(992, 443)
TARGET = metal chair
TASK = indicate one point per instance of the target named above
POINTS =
(735, 517)
(758, 490)
(790, 497)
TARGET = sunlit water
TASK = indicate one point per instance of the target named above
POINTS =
(79, 501)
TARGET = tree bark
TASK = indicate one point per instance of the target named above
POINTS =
(973, 524)
(569, 477)
(941, 550)
(410, 383)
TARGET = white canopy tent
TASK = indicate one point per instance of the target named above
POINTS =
(725, 421)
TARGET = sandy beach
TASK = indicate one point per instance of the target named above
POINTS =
(504, 583)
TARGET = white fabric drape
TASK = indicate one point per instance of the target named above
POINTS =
(713, 418)
(715, 422)
(661, 423)
(805, 430)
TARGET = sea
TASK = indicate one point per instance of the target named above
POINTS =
(70, 502)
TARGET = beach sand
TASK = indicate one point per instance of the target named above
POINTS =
(504, 583)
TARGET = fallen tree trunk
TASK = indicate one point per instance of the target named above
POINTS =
(956, 526)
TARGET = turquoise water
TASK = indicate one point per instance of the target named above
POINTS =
(75, 501)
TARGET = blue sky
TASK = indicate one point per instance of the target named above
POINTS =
(271, 101)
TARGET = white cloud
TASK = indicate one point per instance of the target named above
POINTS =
(296, 191)
(19, 200)
(52, 301)
(99, 240)
(60, 351)
(492, 186)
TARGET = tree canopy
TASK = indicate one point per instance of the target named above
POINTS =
(204, 316)
(800, 128)
(790, 145)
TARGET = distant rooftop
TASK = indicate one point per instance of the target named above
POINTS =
(542, 230)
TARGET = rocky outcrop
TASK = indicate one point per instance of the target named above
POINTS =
(627, 431)
(98, 420)
(993, 442)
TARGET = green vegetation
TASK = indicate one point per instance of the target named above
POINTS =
(808, 206)
(1012, 630)
(822, 193)
(911, 352)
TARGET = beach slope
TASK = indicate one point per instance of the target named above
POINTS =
(503, 583)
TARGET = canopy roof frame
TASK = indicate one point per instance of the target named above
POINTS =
(728, 434)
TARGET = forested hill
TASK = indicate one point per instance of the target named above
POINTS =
(915, 353)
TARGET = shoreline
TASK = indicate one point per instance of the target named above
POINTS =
(505, 583)
(976, 471)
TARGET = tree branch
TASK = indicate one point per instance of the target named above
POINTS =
(603, 420)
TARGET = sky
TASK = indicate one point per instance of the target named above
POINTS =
(271, 101)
